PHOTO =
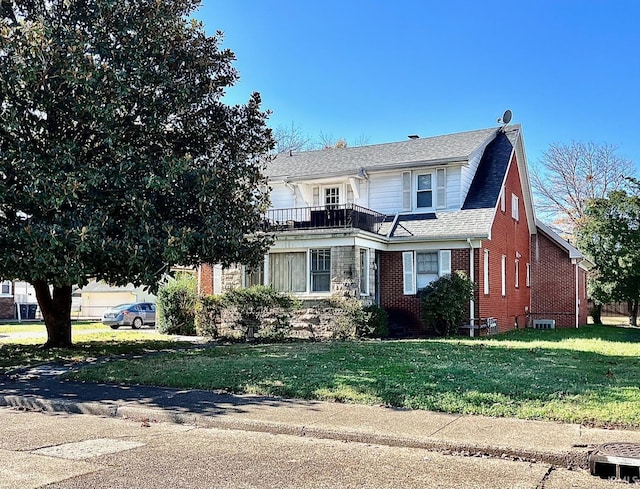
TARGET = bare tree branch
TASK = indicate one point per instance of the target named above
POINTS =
(567, 176)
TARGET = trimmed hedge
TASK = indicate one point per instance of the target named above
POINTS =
(176, 306)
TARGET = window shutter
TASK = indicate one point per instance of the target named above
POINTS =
(350, 198)
(441, 187)
(486, 272)
(407, 267)
(406, 190)
(316, 196)
(445, 262)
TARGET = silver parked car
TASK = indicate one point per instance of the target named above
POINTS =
(136, 315)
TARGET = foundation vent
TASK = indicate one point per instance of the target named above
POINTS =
(544, 324)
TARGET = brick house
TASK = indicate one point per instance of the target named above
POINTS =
(559, 272)
(380, 222)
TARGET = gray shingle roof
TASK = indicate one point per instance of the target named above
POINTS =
(327, 162)
(472, 223)
(487, 182)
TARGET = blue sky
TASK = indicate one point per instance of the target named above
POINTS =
(381, 70)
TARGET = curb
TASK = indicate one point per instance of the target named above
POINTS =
(563, 458)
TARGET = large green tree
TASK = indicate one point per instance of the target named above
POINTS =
(610, 236)
(118, 157)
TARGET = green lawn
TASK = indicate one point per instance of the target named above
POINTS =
(590, 375)
(26, 352)
(38, 327)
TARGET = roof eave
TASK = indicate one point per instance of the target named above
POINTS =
(462, 160)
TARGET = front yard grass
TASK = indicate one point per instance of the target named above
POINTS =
(590, 375)
(88, 346)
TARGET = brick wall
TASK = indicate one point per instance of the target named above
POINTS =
(392, 297)
(509, 238)
(7, 308)
(553, 282)
(206, 279)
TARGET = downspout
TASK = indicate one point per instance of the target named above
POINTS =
(472, 302)
(577, 296)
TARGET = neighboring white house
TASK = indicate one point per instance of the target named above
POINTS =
(97, 297)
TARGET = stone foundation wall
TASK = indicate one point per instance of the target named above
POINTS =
(316, 320)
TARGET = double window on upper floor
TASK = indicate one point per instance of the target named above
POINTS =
(424, 190)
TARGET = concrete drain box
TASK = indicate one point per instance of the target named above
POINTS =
(619, 461)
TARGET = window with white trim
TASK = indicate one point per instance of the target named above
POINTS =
(423, 267)
(503, 205)
(528, 277)
(321, 270)
(5, 287)
(503, 275)
(254, 276)
(517, 277)
(364, 271)
(332, 195)
(486, 272)
(426, 268)
(288, 271)
(424, 191)
(515, 209)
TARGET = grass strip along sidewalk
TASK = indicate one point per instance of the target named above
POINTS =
(89, 345)
(590, 375)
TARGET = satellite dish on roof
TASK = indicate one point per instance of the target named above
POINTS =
(506, 117)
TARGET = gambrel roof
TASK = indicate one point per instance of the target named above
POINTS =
(435, 150)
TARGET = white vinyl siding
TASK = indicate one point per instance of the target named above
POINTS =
(281, 197)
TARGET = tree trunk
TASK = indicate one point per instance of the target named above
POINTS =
(56, 311)
(633, 312)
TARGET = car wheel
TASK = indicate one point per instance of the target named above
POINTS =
(137, 323)
(114, 326)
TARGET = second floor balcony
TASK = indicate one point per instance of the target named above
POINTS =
(343, 216)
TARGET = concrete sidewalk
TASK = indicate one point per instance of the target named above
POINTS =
(566, 445)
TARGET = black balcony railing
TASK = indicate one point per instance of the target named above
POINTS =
(323, 217)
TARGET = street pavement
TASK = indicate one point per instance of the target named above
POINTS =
(471, 442)
(546, 446)
(64, 451)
